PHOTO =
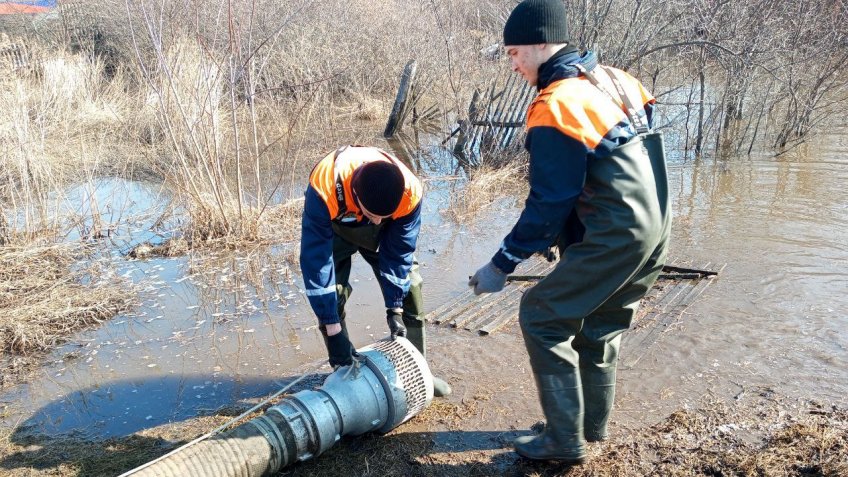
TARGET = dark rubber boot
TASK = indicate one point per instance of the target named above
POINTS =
(417, 336)
(562, 439)
(598, 396)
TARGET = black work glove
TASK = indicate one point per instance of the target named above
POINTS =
(340, 350)
(395, 321)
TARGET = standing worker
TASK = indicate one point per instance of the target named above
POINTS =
(363, 199)
(599, 193)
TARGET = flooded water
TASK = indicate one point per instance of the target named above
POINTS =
(778, 314)
(218, 329)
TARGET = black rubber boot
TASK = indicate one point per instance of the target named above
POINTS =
(598, 397)
(562, 439)
(417, 336)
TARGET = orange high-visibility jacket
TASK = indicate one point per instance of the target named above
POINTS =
(569, 124)
(329, 188)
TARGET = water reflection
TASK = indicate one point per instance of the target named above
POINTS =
(123, 407)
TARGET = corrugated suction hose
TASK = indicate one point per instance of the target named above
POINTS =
(390, 384)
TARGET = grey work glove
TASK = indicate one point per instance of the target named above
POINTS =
(395, 320)
(488, 279)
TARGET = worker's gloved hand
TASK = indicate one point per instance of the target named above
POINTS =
(488, 279)
(340, 350)
(395, 320)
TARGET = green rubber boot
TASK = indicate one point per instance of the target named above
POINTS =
(598, 397)
(417, 336)
(562, 439)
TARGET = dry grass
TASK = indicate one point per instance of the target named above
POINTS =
(484, 188)
(61, 124)
(47, 293)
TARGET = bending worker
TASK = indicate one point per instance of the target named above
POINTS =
(598, 192)
(362, 199)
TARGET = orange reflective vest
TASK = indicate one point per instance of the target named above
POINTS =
(331, 179)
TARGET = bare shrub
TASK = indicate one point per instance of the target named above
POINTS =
(231, 103)
(762, 72)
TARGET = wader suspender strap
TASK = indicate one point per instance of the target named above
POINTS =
(634, 117)
(340, 195)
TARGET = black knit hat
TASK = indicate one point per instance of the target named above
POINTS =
(378, 186)
(534, 22)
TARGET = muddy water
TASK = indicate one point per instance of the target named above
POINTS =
(778, 314)
(213, 330)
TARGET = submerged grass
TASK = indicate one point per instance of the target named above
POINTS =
(47, 293)
(484, 188)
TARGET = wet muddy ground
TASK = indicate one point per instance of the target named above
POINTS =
(751, 380)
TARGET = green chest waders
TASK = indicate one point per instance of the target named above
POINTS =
(572, 320)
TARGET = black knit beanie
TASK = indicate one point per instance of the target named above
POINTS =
(534, 22)
(378, 186)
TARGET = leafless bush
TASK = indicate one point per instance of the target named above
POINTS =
(231, 102)
(734, 74)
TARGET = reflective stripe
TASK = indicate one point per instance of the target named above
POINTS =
(320, 291)
(511, 257)
(401, 282)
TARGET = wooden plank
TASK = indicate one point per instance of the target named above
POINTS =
(435, 316)
(501, 320)
(458, 311)
(641, 343)
(656, 322)
(461, 303)
(511, 297)
(504, 301)
(465, 317)
(669, 296)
